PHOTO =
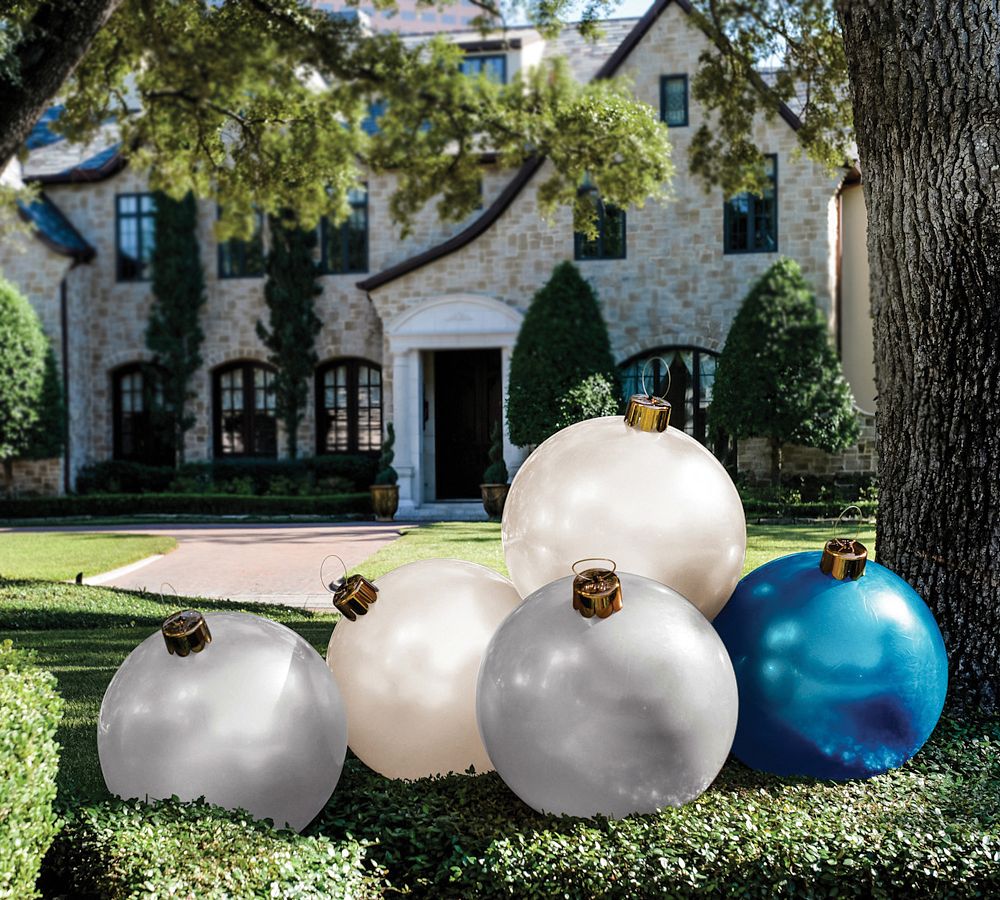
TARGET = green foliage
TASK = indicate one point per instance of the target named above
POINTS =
(31, 421)
(563, 341)
(232, 504)
(290, 293)
(217, 103)
(778, 376)
(174, 331)
(119, 850)
(496, 471)
(386, 473)
(30, 711)
(595, 396)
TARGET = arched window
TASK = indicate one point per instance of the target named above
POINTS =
(349, 407)
(692, 376)
(244, 404)
(143, 429)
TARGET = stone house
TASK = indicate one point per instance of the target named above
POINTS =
(420, 331)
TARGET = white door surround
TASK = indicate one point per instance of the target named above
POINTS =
(449, 322)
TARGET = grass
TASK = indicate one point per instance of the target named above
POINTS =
(60, 556)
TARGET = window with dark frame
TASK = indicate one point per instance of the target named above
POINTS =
(245, 411)
(240, 258)
(493, 66)
(344, 248)
(135, 236)
(349, 407)
(674, 100)
(610, 242)
(142, 429)
(750, 222)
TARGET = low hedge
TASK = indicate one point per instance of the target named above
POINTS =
(117, 850)
(30, 711)
(184, 504)
(829, 509)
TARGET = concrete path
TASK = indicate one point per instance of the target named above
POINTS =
(249, 563)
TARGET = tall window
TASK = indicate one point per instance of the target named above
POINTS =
(245, 422)
(692, 377)
(493, 66)
(674, 100)
(143, 430)
(344, 248)
(135, 226)
(243, 258)
(610, 240)
(348, 407)
(750, 222)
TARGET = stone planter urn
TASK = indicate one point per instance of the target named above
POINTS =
(494, 497)
(385, 501)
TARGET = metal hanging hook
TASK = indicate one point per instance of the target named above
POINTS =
(642, 377)
(857, 525)
(329, 585)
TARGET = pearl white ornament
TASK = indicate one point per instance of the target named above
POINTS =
(254, 721)
(408, 667)
(658, 503)
(612, 716)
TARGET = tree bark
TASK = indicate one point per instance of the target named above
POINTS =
(775, 462)
(55, 40)
(927, 118)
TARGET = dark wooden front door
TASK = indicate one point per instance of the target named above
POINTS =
(467, 402)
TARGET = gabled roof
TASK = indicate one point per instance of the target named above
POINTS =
(576, 55)
(54, 229)
(53, 160)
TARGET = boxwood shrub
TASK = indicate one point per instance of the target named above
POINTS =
(116, 850)
(30, 710)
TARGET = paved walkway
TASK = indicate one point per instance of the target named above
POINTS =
(250, 563)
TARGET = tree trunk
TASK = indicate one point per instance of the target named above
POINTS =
(927, 118)
(775, 462)
(56, 39)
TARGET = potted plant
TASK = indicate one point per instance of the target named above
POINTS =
(494, 487)
(385, 491)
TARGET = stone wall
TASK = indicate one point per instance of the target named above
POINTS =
(37, 478)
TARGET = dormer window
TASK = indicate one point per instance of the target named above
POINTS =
(674, 100)
(492, 65)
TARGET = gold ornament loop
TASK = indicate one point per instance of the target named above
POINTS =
(642, 377)
(186, 632)
(597, 590)
(646, 411)
(844, 558)
(352, 594)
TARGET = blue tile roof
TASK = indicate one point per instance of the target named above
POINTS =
(42, 134)
(55, 229)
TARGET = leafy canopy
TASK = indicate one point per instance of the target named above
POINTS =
(563, 342)
(778, 376)
(260, 104)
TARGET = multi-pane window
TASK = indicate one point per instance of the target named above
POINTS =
(493, 66)
(240, 258)
(691, 379)
(344, 248)
(674, 100)
(750, 222)
(349, 407)
(143, 430)
(610, 240)
(245, 420)
(135, 224)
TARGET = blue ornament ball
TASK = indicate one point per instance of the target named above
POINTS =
(837, 678)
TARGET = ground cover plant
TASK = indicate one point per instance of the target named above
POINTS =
(61, 555)
(930, 828)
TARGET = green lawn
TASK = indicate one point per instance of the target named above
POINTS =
(59, 556)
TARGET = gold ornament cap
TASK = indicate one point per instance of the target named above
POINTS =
(353, 595)
(186, 632)
(647, 413)
(844, 559)
(597, 591)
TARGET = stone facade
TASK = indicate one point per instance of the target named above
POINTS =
(675, 287)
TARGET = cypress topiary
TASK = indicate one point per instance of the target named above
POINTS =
(562, 343)
(386, 473)
(779, 377)
(31, 421)
(290, 294)
(174, 331)
(496, 471)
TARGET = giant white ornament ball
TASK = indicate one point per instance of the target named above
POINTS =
(253, 720)
(614, 716)
(408, 667)
(658, 503)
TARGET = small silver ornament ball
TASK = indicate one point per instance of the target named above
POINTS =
(614, 716)
(254, 720)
